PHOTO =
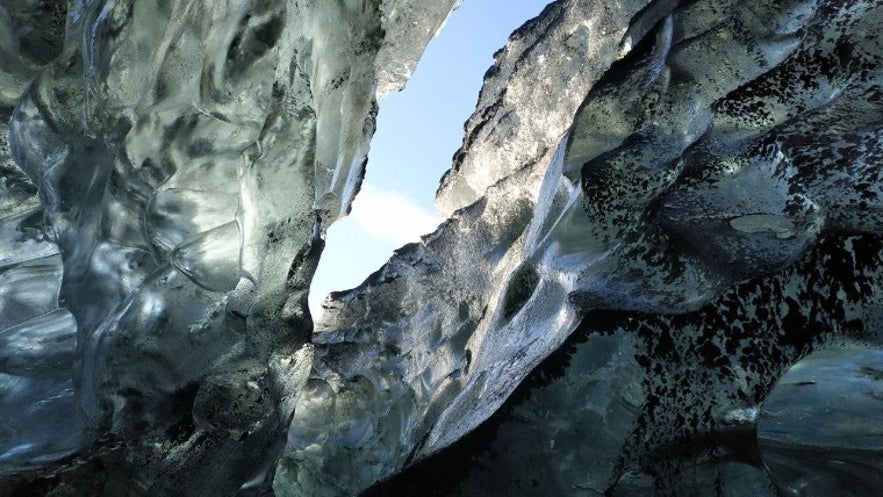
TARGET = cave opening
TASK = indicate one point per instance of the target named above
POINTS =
(418, 130)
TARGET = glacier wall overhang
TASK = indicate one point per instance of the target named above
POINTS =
(685, 194)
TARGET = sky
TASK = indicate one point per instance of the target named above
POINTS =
(418, 131)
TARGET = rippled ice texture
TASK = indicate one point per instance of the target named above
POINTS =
(713, 205)
(188, 155)
(686, 195)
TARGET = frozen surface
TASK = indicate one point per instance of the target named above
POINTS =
(686, 194)
(187, 156)
(819, 431)
(724, 144)
(37, 338)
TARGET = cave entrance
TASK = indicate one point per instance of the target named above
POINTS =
(418, 130)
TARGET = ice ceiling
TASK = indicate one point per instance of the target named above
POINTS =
(660, 272)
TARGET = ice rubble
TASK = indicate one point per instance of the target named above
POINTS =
(684, 194)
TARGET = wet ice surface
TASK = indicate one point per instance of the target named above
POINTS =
(187, 155)
(685, 194)
(704, 159)
(819, 431)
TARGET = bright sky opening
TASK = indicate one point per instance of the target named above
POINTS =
(418, 131)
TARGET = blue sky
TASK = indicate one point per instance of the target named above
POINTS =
(418, 131)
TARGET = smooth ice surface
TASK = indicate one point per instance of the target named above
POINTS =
(686, 194)
(819, 430)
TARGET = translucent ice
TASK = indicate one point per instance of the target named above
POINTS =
(187, 155)
(685, 194)
(819, 431)
(728, 141)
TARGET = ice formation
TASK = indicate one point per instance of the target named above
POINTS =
(663, 247)
(186, 154)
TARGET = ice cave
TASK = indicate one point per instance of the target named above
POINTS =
(659, 270)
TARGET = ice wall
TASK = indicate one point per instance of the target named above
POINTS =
(686, 195)
(721, 144)
(188, 155)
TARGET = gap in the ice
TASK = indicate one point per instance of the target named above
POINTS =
(418, 131)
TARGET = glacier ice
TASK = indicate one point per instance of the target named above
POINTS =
(186, 154)
(662, 253)
(819, 431)
(713, 153)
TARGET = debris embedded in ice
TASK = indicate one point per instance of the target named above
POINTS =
(694, 185)
(705, 158)
(819, 430)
